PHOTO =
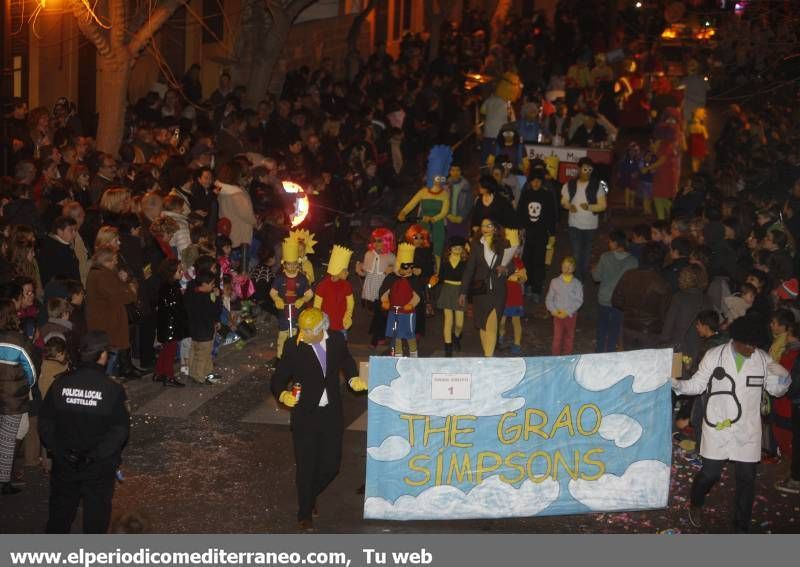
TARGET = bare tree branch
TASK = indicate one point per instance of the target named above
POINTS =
(294, 7)
(280, 16)
(90, 28)
(116, 9)
(157, 19)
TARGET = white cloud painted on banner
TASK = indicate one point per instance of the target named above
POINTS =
(650, 369)
(411, 391)
(493, 498)
(392, 448)
(645, 484)
(622, 429)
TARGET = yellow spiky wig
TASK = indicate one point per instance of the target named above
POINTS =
(340, 259)
(304, 236)
(405, 253)
(291, 251)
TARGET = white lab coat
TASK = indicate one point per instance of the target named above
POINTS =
(742, 440)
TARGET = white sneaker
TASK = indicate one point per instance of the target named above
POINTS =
(212, 379)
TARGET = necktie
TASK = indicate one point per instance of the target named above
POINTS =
(320, 352)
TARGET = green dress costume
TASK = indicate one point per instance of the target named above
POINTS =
(435, 206)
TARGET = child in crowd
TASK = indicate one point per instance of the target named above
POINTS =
(225, 247)
(378, 262)
(291, 290)
(58, 324)
(401, 300)
(514, 308)
(262, 275)
(564, 298)
(203, 308)
(305, 247)
(229, 316)
(76, 295)
(515, 286)
(55, 363)
(170, 321)
(334, 294)
(451, 272)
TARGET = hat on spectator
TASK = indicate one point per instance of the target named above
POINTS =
(788, 290)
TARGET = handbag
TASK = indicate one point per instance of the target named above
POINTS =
(481, 287)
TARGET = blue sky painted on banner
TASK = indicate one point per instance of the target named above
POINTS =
(631, 443)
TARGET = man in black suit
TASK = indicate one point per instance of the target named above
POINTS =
(314, 361)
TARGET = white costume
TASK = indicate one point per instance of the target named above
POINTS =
(375, 266)
(733, 396)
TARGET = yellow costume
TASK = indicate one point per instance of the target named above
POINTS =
(305, 240)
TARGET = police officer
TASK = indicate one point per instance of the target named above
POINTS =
(314, 360)
(84, 423)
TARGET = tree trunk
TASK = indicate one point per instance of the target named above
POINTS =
(253, 26)
(113, 74)
(499, 18)
(265, 60)
(117, 52)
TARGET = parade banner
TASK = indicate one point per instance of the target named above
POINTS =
(568, 157)
(457, 438)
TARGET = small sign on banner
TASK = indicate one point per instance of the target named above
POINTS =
(451, 386)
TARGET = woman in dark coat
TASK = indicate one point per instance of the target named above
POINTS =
(171, 321)
(108, 290)
(485, 279)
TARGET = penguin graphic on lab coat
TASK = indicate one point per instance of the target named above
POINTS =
(732, 423)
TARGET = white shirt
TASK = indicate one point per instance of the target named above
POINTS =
(584, 220)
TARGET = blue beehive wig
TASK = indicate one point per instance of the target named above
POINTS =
(439, 160)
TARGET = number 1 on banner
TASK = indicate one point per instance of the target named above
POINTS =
(451, 386)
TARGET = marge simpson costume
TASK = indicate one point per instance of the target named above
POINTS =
(434, 200)
(290, 292)
(314, 361)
